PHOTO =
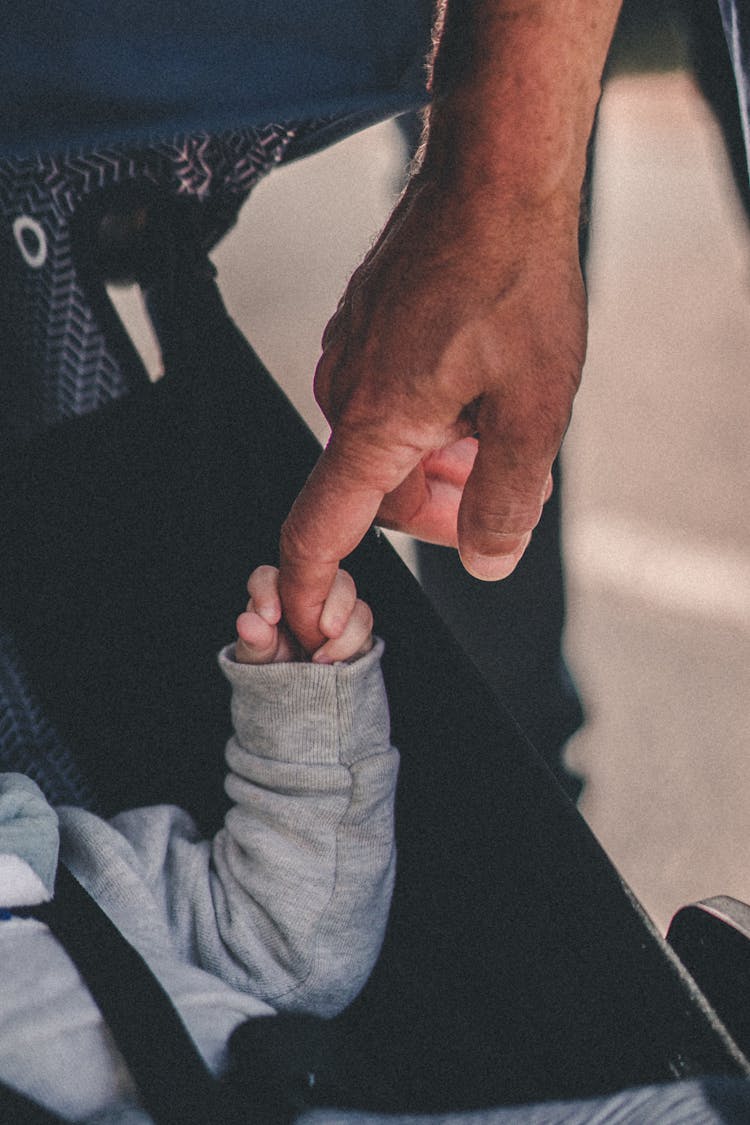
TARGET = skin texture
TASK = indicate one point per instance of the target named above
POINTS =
(449, 369)
(263, 637)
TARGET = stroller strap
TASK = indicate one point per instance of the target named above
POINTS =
(19, 1109)
(174, 1082)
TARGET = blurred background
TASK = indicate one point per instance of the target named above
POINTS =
(657, 460)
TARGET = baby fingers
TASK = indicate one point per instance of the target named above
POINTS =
(263, 588)
(354, 640)
(257, 640)
(339, 605)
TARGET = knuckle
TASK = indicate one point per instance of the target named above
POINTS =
(513, 515)
(322, 380)
(293, 544)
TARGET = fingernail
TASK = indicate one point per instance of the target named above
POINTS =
(490, 568)
(269, 614)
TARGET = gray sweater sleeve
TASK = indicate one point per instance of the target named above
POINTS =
(289, 901)
(304, 867)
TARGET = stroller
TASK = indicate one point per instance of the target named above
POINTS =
(517, 966)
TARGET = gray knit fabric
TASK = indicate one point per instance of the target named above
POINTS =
(283, 910)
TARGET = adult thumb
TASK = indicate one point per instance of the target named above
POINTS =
(501, 505)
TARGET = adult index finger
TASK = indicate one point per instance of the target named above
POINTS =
(327, 521)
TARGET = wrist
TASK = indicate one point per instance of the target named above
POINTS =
(494, 218)
(505, 158)
(515, 88)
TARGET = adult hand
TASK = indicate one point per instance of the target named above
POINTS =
(447, 374)
(468, 317)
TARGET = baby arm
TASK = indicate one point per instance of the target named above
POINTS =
(289, 901)
(303, 869)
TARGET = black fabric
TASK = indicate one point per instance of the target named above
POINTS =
(16, 1109)
(513, 632)
(283, 1064)
(516, 966)
(28, 742)
(174, 1083)
(68, 222)
(274, 1060)
(136, 524)
(712, 939)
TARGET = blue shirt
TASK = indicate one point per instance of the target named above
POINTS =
(84, 72)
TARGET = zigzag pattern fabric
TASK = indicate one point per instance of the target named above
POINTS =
(28, 742)
(60, 362)
(58, 359)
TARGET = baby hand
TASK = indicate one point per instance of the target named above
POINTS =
(263, 637)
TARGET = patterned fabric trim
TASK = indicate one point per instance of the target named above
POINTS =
(28, 742)
(62, 360)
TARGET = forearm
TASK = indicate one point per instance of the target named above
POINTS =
(467, 319)
(515, 87)
(304, 867)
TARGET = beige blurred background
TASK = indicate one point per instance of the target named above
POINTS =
(657, 531)
(657, 536)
